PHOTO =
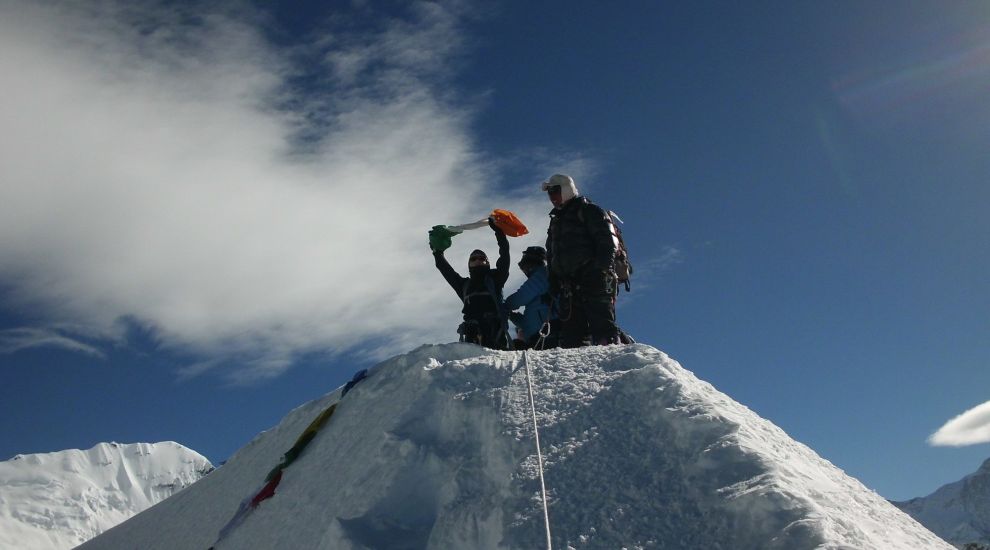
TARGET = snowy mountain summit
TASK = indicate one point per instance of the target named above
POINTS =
(58, 500)
(435, 449)
(958, 512)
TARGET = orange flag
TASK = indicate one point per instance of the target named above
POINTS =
(509, 223)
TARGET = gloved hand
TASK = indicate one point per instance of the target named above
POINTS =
(440, 238)
(495, 228)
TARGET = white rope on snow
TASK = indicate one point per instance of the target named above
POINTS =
(539, 454)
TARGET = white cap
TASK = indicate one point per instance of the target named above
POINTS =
(568, 190)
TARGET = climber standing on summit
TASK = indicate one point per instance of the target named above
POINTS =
(581, 247)
(485, 322)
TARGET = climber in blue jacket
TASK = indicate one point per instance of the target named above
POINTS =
(534, 297)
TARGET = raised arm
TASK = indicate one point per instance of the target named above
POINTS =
(455, 281)
(502, 265)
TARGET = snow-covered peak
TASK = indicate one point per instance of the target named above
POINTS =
(435, 449)
(959, 512)
(61, 499)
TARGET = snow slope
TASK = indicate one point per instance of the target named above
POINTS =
(435, 450)
(59, 500)
(958, 512)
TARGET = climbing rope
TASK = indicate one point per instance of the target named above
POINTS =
(539, 454)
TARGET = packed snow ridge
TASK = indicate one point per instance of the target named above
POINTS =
(435, 449)
(58, 500)
(958, 512)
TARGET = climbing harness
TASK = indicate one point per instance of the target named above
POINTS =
(500, 337)
(544, 332)
(539, 454)
(545, 327)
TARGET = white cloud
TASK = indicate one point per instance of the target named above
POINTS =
(17, 339)
(158, 168)
(648, 271)
(652, 268)
(969, 428)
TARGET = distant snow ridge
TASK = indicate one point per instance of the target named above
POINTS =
(435, 450)
(58, 500)
(958, 512)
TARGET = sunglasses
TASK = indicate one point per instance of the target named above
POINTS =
(554, 190)
(479, 259)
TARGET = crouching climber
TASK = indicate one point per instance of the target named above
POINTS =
(534, 299)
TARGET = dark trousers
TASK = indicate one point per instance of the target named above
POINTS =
(587, 311)
(488, 332)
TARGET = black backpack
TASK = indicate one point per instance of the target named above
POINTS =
(623, 267)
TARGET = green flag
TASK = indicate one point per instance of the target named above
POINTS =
(440, 237)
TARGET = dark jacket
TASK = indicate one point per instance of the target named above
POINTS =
(479, 283)
(579, 238)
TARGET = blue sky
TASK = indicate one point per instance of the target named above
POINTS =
(212, 215)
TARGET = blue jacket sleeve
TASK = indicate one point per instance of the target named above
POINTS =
(535, 286)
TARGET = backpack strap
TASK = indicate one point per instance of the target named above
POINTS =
(488, 291)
